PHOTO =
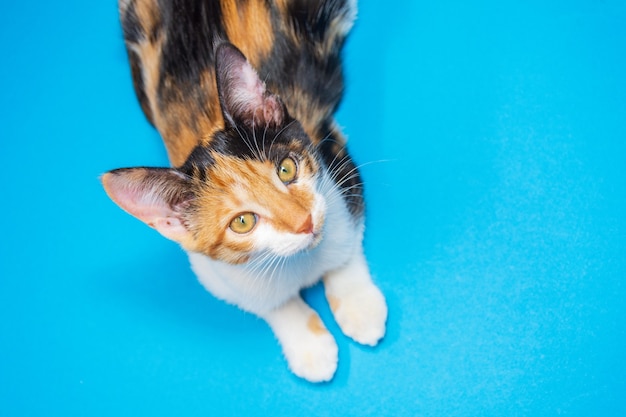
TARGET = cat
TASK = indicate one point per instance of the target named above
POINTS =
(261, 191)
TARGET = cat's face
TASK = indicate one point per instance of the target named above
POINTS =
(249, 207)
(253, 191)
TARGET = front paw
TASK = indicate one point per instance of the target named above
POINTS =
(361, 314)
(313, 355)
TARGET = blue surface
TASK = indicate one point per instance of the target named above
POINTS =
(496, 228)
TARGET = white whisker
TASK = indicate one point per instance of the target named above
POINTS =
(279, 133)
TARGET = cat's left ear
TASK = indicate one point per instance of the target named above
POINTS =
(243, 96)
(156, 196)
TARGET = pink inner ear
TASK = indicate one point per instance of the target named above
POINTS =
(253, 84)
(142, 203)
(245, 95)
(273, 110)
(172, 228)
(147, 204)
(247, 90)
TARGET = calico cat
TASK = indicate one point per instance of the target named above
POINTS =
(262, 193)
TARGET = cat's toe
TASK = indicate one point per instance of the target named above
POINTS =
(361, 315)
(315, 359)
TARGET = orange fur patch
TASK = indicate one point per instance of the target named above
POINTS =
(315, 325)
(249, 27)
(150, 56)
(333, 302)
(184, 126)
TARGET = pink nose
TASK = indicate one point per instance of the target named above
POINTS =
(307, 226)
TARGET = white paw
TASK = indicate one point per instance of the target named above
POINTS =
(361, 314)
(314, 355)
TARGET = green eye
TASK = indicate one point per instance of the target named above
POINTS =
(287, 170)
(243, 223)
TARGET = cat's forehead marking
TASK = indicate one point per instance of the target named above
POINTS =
(228, 170)
(253, 185)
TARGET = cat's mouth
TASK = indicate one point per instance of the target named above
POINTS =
(317, 233)
(309, 241)
(304, 242)
(316, 239)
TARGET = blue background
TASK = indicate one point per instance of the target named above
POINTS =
(494, 142)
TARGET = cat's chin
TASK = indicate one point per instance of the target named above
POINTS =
(317, 239)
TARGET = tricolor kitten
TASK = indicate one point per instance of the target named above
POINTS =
(262, 194)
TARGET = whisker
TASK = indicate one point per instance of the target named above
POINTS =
(256, 142)
(244, 139)
(279, 133)
(259, 263)
(278, 263)
(354, 171)
(263, 140)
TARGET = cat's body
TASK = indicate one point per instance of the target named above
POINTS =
(263, 194)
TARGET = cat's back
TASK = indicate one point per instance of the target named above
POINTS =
(294, 45)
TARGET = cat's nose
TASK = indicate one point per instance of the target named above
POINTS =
(307, 226)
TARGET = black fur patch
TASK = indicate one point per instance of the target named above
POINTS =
(343, 170)
(194, 28)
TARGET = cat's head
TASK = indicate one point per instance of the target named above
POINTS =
(254, 190)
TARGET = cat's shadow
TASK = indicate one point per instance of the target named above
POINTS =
(162, 285)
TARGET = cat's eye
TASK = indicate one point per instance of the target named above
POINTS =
(287, 170)
(243, 223)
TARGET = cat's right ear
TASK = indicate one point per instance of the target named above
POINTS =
(156, 196)
(243, 96)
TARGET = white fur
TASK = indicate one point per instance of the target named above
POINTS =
(123, 5)
(349, 17)
(269, 287)
(358, 305)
